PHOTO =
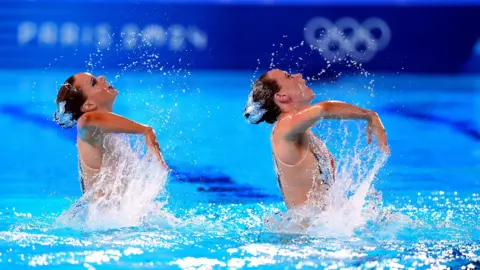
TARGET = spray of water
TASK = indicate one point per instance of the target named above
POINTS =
(350, 204)
(300, 56)
(128, 191)
(129, 185)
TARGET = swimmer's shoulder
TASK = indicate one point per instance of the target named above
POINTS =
(281, 143)
(91, 136)
(282, 128)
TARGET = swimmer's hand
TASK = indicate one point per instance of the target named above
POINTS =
(152, 145)
(375, 126)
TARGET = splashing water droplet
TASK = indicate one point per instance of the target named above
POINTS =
(129, 200)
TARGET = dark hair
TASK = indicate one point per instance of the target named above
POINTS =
(263, 92)
(74, 100)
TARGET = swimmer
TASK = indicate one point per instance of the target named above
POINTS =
(304, 166)
(87, 101)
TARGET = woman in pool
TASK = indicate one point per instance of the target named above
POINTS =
(305, 168)
(87, 101)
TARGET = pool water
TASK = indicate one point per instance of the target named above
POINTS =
(223, 186)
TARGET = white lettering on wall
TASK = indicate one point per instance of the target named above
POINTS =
(103, 36)
(47, 33)
(129, 36)
(155, 35)
(177, 37)
(27, 31)
(197, 38)
(69, 34)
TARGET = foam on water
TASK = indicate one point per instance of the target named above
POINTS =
(129, 190)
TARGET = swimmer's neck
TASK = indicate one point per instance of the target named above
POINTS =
(292, 109)
(105, 109)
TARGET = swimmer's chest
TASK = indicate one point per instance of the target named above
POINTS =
(90, 155)
(312, 159)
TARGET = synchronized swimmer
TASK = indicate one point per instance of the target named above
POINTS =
(87, 101)
(304, 165)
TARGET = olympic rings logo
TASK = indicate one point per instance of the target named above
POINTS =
(347, 37)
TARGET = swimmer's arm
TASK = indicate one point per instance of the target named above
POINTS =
(108, 123)
(300, 122)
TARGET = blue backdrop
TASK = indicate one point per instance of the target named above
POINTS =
(387, 37)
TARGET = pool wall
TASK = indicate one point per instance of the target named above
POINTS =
(382, 35)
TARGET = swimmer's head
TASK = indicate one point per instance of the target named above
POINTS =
(275, 92)
(83, 93)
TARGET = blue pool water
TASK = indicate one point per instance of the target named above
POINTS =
(223, 185)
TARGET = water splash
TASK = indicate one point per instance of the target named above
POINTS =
(128, 191)
(352, 200)
(131, 183)
(351, 204)
(298, 57)
(159, 94)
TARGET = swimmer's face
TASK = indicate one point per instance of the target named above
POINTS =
(99, 93)
(292, 86)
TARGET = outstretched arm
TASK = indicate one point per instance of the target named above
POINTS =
(107, 122)
(296, 124)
